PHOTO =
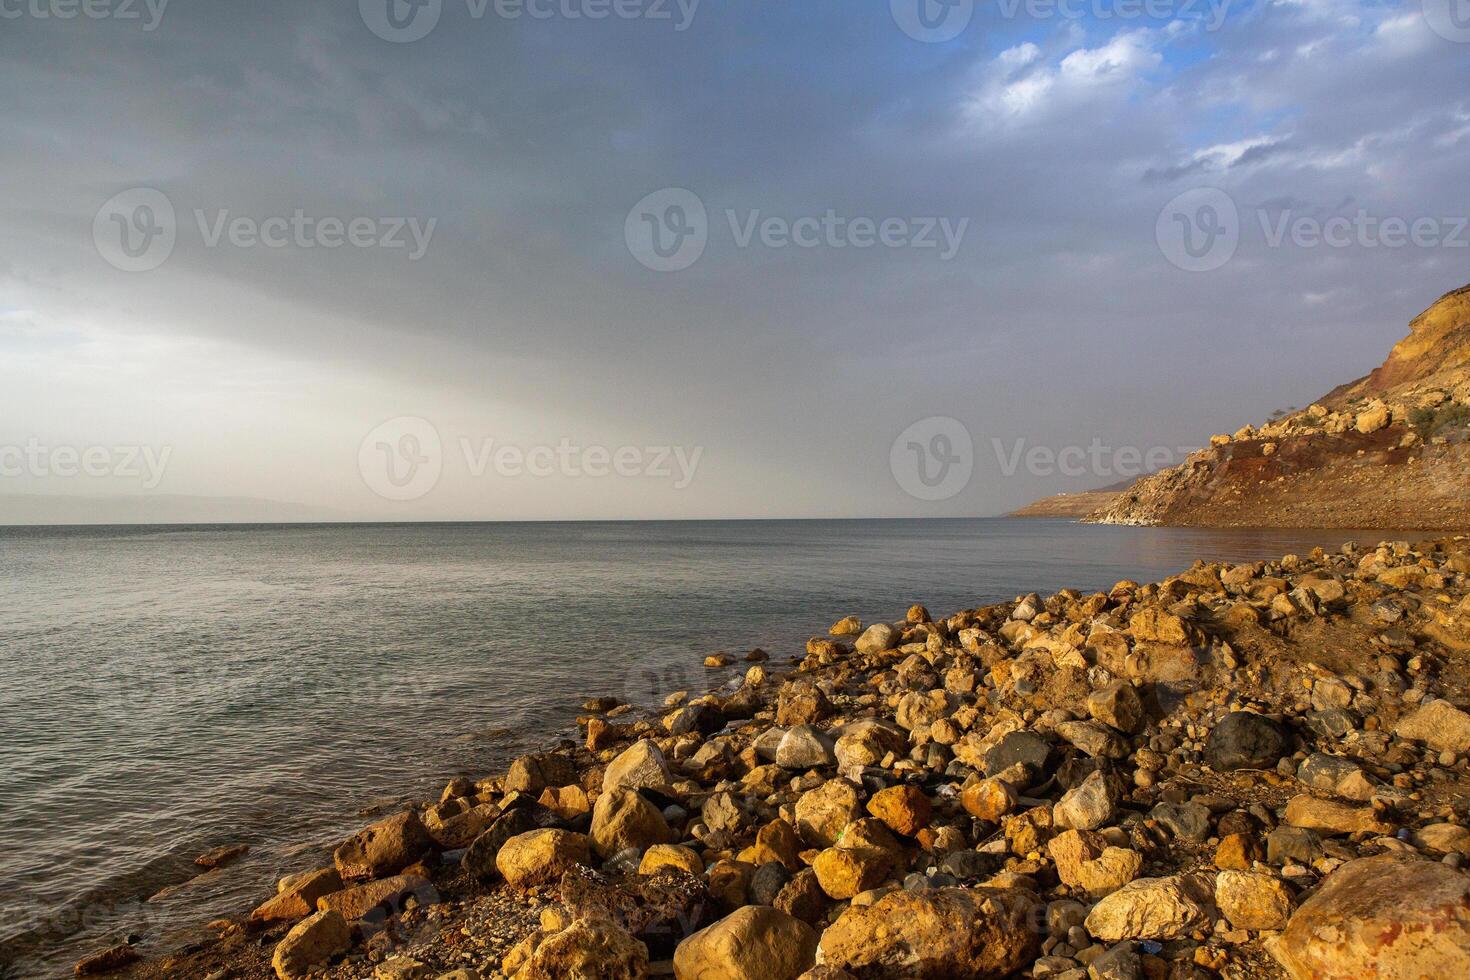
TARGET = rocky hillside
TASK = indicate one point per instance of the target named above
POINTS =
(1245, 771)
(1391, 450)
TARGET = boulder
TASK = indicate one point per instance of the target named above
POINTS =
(1087, 861)
(1088, 805)
(377, 900)
(1097, 740)
(822, 813)
(622, 819)
(1331, 817)
(847, 871)
(922, 708)
(989, 799)
(805, 747)
(775, 842)
(298, 895)
(541, 856)
(1153, 625)
(904, 809)
(1250, 900)
(479, 859)
(1243, 740)
(723, 813)
(1446, 838)
(867, 743)
(1117, 705)
(753, 943)
(1373, 418)
(313, 942)
(640, 766)
(805, 705)
(802, 898)
(943, 934)
(385, 848)
(659, 910)
(1383, 917)
(1438, 724)
(1239, 852)
(109, 960)
(1149, 908)
(1186, 821)
(221, 856)
(460, 830)
(877, 638)
(530, 774)
(660, 856)
(591, 948)
(1023, 747)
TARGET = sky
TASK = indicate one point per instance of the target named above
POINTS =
(576, 259)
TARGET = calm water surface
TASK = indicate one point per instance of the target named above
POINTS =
(168, 690)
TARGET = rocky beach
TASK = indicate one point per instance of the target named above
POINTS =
(1252, 770)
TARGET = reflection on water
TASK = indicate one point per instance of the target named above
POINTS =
(165, 691)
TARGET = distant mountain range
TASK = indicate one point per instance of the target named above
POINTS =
(38, 509)
(1389, 450)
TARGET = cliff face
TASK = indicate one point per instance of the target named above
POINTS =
(1391, 450)
(1438, 343)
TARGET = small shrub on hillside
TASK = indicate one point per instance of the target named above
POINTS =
(1431, 422)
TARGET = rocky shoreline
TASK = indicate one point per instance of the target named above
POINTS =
(1257, 770)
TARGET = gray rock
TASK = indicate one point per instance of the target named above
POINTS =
(767, 883)
(1190, 821)
(1097, 740)
(1293, 845)
(1119, 963)
(479, 859)
(1243, 740)
(1018, 747)
(1331, 722)
(1325, 772)
(877, 638)
(1088, 806)
(805, 747)
(970, 865)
